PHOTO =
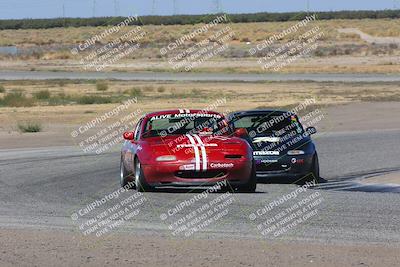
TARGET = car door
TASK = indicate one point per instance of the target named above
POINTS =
(132, 147)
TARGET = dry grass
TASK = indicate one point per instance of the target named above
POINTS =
(252, 32)
(191, 95)
(352, 50)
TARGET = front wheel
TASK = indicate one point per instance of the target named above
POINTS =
(124, 176)
(141, 184)
(251, 185)
(314, 171)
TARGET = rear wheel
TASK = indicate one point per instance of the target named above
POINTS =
(251, 185)
(141, 184)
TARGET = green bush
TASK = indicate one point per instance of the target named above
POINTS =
(148, 88)
(42, 95)
(89, 100)
(196, 92)
(60, 99)
(161, 89)
(101, 86)
(30, 127)
(135, 92)
(2, 89)
(16, 99)
(61, 83)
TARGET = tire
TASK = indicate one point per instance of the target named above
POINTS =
(251, 185)
(124, 176)
(314, 176)
(140, 181)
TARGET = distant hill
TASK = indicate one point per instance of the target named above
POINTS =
(191, 19)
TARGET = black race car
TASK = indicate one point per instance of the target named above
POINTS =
(282, 148)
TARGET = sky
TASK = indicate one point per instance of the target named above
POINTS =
(14, 9)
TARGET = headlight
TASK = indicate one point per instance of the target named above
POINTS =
(166, 158)
(295, 152)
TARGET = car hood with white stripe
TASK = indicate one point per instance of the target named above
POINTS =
(211, 148)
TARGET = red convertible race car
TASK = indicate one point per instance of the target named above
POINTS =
(186, 148)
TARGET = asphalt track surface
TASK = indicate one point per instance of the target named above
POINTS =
(42, 187)
(205, 77)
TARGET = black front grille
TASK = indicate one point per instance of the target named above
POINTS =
(233, 156)
(274, 166)
(200, 174)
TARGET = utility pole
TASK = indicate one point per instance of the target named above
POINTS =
(94, 8)
(116, 8)
(153, 7)
(217, 6)
(308, 7)
(175, 7)
(63, 10)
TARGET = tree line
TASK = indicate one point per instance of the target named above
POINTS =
(192, 19)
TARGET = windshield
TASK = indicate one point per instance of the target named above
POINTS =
(191, 123)
(272, 124)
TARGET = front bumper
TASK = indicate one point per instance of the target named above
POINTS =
(283, 166)
(177, 174)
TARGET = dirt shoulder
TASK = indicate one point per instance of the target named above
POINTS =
(390, 178)
(63, 248)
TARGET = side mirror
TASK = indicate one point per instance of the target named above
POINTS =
(241, 133)
(311, 130)
(128, 136)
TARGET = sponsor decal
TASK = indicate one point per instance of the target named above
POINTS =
(160, 117)
(221, 165)
(266, 139)
(269, 161)
(266, 153)
(196, 115)
(185, 115)
(187, 167)
(296, 123)
(298, 161)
